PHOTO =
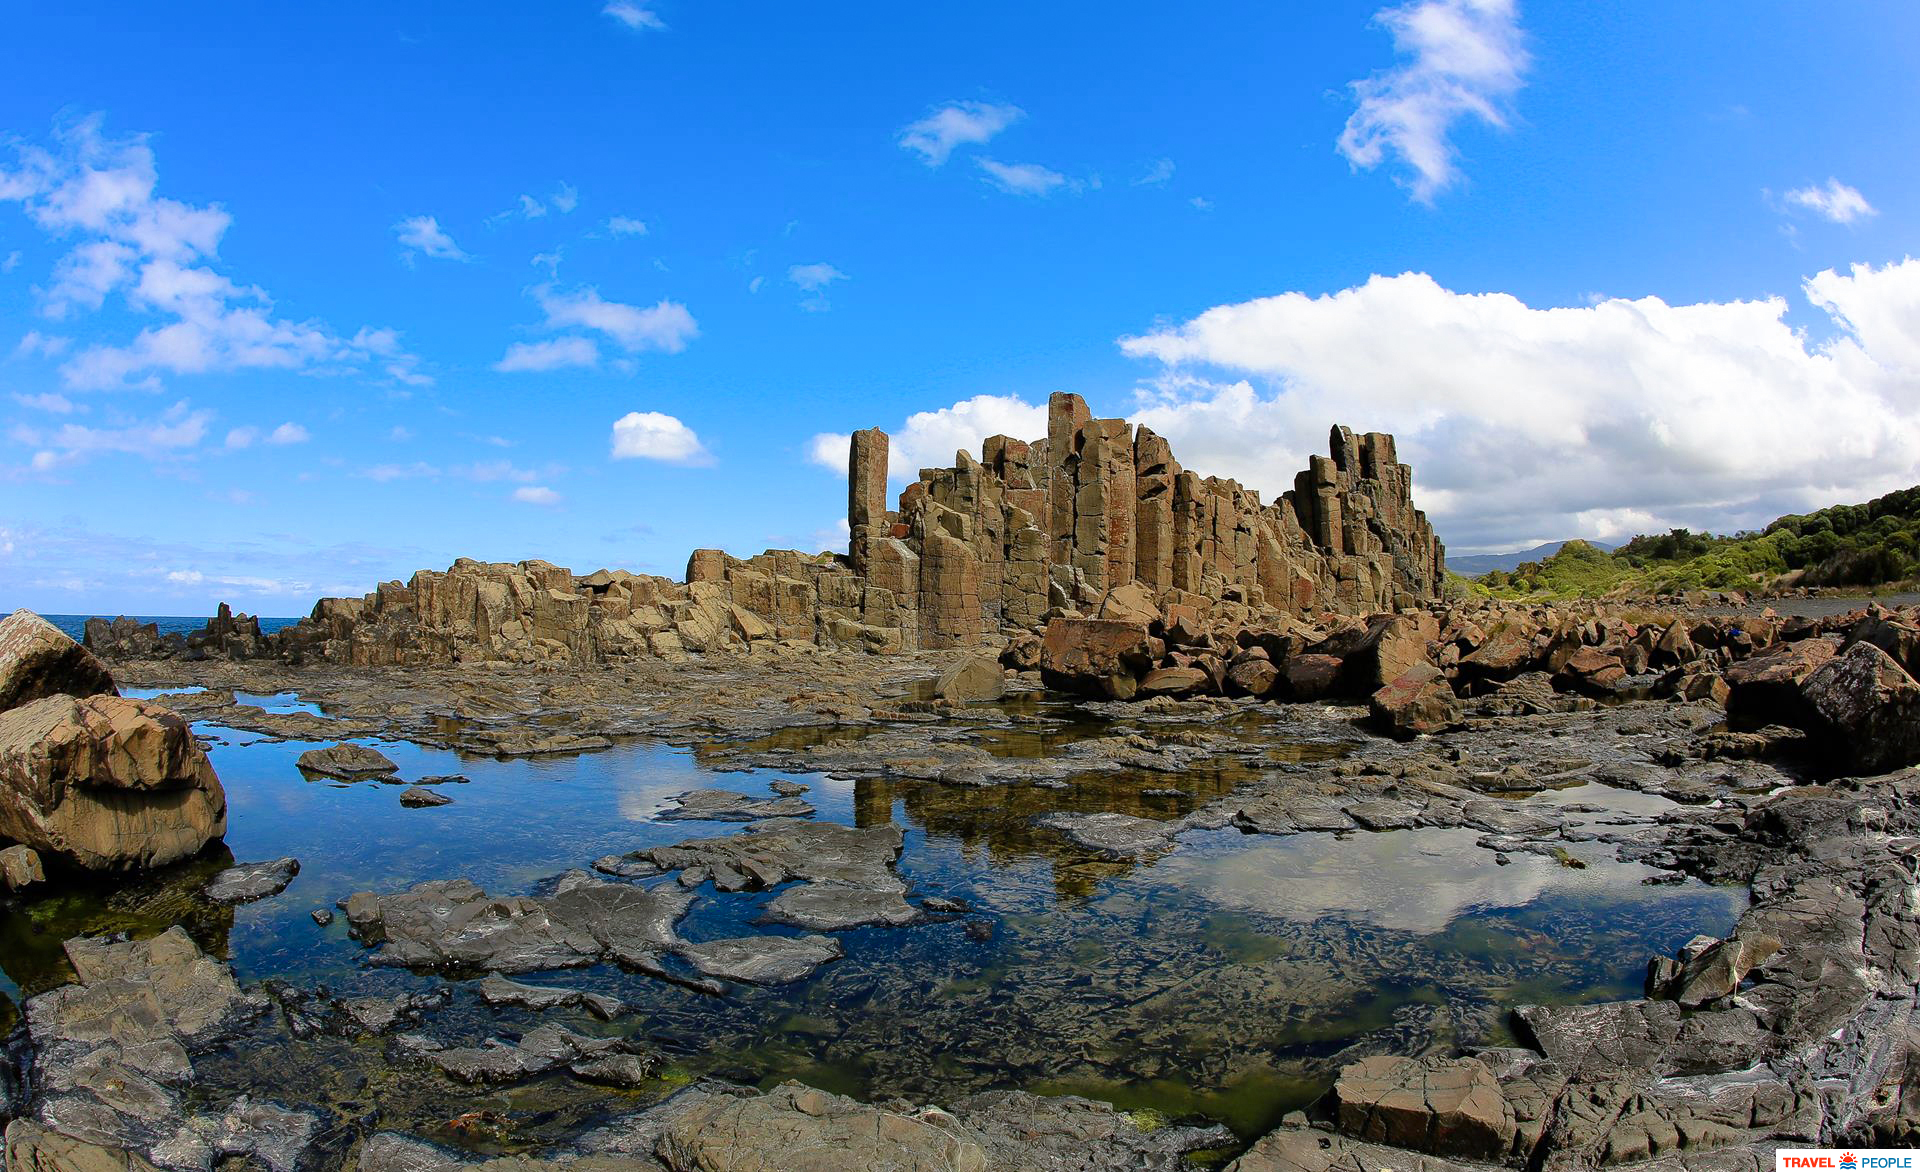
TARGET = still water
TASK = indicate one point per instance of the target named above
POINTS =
(1227, 978)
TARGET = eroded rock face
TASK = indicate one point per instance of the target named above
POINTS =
(106, 784)
(38, 660)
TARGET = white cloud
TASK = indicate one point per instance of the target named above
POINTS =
(813, 280)
(157, 254)
(423, 234)
(550, 355)
(243, 437)
(626, 226)
(1836, 201)
(650, 435)
(956, 124)
(536, 494)
(531, 208)
(1467, 61)
(172, 433)
(565, 198)
(288, 433)
(1201, 203)
(384, 473)
(1022, 178)
(665, 326)
(929, 439)
(487, 472)
(51, 403)
(634, 15)
(33, 342)
(1157, 174)
(1526, 423)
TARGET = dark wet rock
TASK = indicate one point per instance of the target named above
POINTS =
(443, 779)
(498, 1060)
(319, 1013)
(416, 797)
(1113, 836)
(833, 907)
(943, 906)
(1440, 1106)
(1766, 688)
(761, 960)
(973, 679)
(521, 742)
(454, 924)
(322, 916)
(787, 789)
(1418, 701)
(106, 784)
(1309, 677)
(498, 990)
(20, 868)
(1868, 707)
(347, 762)
(246, 882)
(720, 805)
(38, 660)
(1707, 972)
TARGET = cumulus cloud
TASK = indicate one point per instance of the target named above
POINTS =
(1528, 424)
(536, 494)
(929, 439)
(634, 15)
(651, 435)
(1022, 178)
(158, 255)
(1467, 59)
(956, 124)
(626, 226)
(1836, 201)
(288, 433)
(556, 354)
(424, 235)
(664, 326)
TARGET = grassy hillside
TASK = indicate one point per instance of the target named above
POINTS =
(1874, 544)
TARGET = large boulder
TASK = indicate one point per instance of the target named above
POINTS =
(106, 784)
(977, 677)
(1105, 657)
(1419, 701)
(1766, 688)
(1443, 1106)
(38, 660)
(1868, 707)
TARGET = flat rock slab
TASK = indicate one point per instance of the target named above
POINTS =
(541, 1049)
(832, 907)
(761, 960)
(1441, 1106)
(347, 762)
(498, 990)
(723, 805)
(416, 797)
(247, 882)
(1113, 836)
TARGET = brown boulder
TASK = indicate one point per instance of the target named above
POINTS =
(1310, 677)
(1175, 681)
(1592, 671)
(1420, 701)
(1766, 688)
(1251, 673)
(1505, 652)
(1868, 707)
(1102, 656)
(106, 784)
(977, 677)
(20, 868)
(1442, 1106)
(38, 660)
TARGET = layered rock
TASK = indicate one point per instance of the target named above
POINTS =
(106, 783)
(37, 660)
(969, 556)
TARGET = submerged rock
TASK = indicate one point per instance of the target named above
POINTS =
(38, 660)
(346, 761)
(541, 1049)
(761, 960)
(1113, 836)
(721, 805)
(247, 882)
(498, 990)
(106, 784)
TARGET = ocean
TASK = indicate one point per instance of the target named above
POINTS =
(75, 624)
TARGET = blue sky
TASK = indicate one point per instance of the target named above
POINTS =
(293, 301)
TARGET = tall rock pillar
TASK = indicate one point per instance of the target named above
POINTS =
(866, 494)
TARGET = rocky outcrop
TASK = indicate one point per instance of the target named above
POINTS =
(106, 784)
(38, 660)
(1096, 519)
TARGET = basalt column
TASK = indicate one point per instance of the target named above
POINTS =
(867, 518)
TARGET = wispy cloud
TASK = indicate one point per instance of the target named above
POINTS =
(651, 435)
(1836, 201)
(634, 15)
(813, 280)
(665, 325)
(1467, 59)
(173, 433)
(935, 137)
(626, 226)
(1022, 178)
(423, 236)
(536, 494)
(1157, 174)
(556, 354)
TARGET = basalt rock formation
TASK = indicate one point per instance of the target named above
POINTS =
(1095, 518)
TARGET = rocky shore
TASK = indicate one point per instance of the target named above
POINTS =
(1774, 736)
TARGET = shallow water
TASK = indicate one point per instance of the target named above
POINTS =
(1226, 978)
